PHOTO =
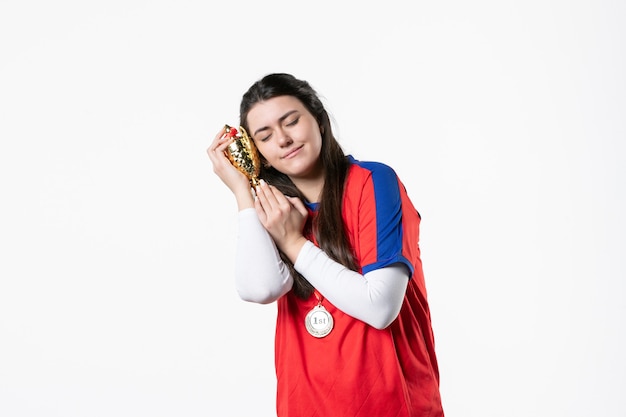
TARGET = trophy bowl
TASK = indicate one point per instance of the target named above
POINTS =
(242, 153)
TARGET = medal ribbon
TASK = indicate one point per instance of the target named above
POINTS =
(319, 297)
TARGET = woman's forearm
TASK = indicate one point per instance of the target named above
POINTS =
(375, 298)
(260, 274)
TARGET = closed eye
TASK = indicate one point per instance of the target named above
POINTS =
(293, 122)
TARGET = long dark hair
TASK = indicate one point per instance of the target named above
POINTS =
(327, 226)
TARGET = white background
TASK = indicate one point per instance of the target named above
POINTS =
(505, 120)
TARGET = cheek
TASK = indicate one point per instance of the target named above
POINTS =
(263, 151)
(319, 143)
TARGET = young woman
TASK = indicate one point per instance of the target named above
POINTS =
(334, 242)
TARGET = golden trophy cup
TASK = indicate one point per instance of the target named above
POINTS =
(243, 154)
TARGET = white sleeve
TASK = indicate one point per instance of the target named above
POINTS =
(260, 275)
(375, 298)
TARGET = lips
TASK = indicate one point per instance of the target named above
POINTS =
(292, 152)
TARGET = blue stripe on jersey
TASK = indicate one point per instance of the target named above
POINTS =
(389, 231)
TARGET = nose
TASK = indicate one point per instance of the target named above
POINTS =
(283, 138)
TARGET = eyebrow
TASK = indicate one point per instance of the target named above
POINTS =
(280, 119)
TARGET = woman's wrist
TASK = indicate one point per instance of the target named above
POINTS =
(292, 249)
(244, 198)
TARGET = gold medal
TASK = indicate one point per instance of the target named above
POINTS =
(318, 321)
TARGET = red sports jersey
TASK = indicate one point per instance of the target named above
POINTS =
(357, 370)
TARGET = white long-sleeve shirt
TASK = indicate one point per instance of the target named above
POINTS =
(262, 277)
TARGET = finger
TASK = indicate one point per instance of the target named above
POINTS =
(220, 139)
(298, 205)
(260, 211)
(280, 198)
(270, 196)
(263, 195)
(217, 149)
(219, 135)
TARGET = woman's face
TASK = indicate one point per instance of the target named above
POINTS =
(287, 135)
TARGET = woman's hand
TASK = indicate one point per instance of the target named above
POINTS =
(283, 217)
(234, 179)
